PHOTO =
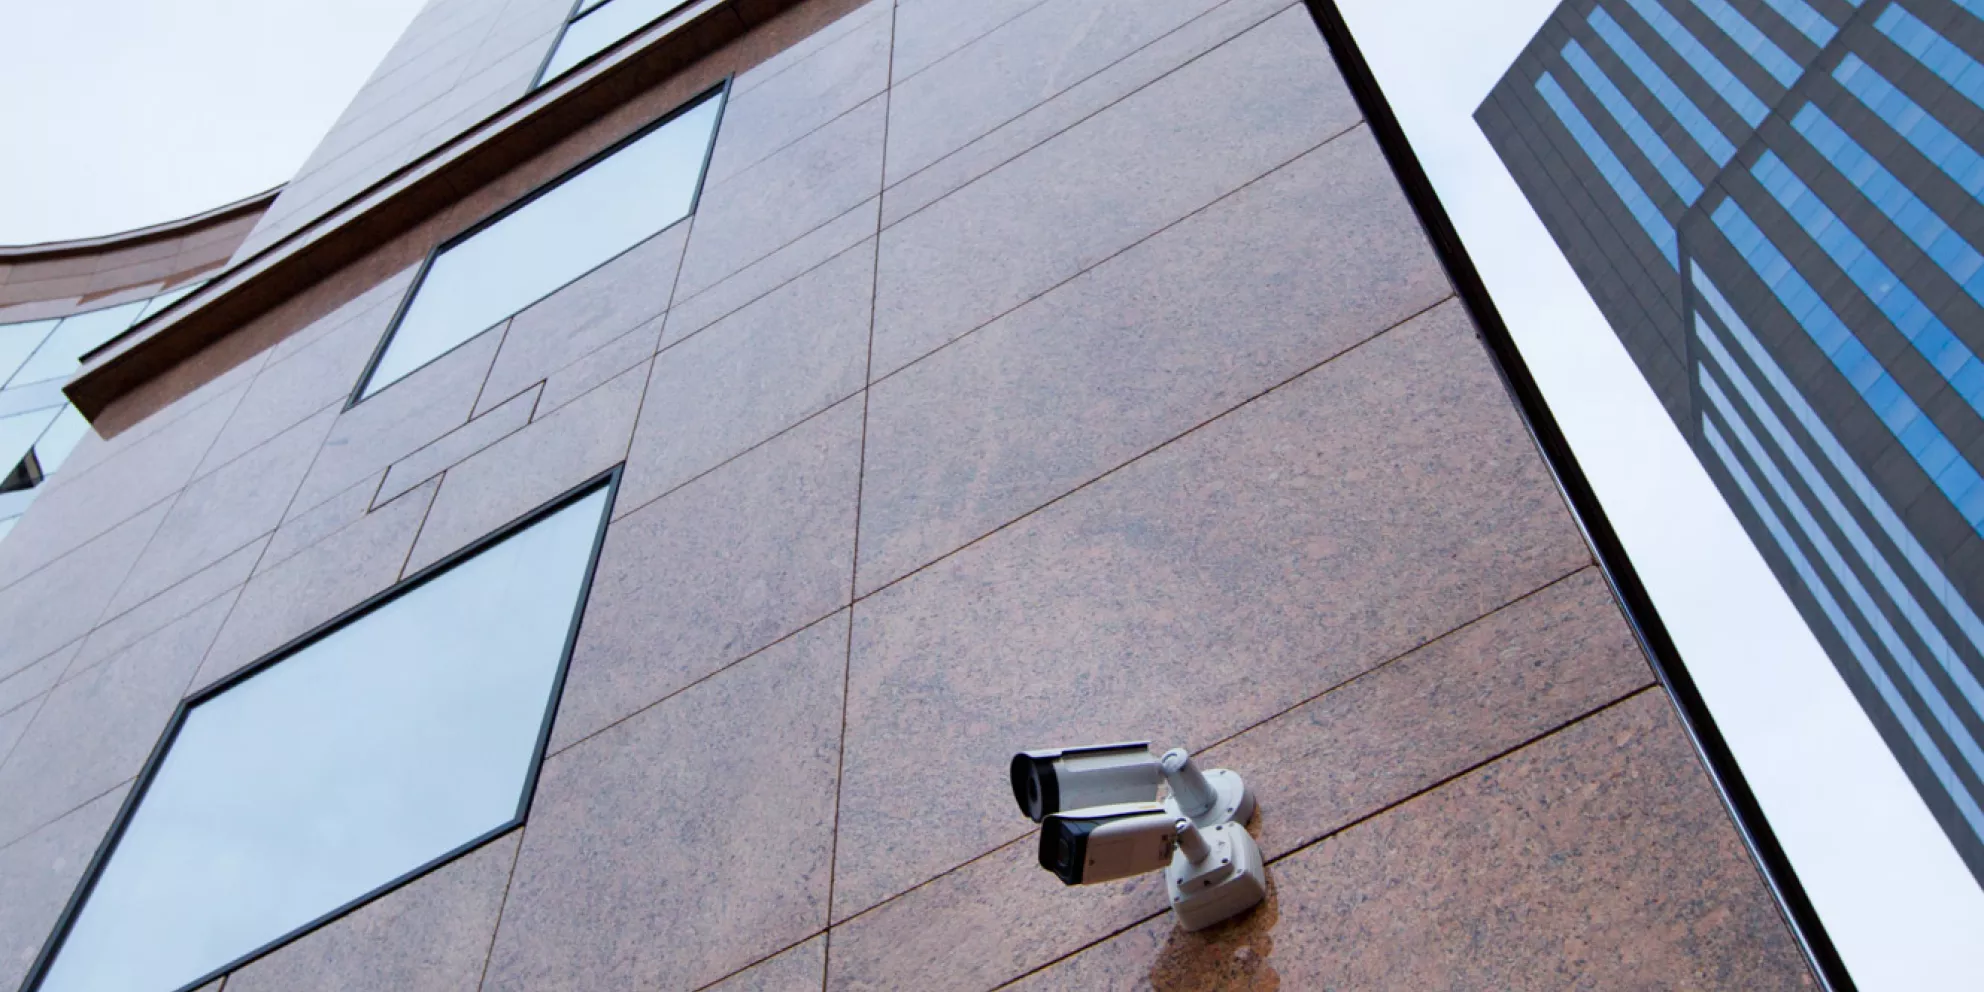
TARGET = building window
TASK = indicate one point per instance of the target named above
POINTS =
(555, 235)
(38, 427)
(386, 743)
(595, 25)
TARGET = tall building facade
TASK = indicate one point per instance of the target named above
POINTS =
(608, 521)
(1775, 203)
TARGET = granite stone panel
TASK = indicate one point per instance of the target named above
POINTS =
(399, 420)
(687, 841)
(1261, 99)
(716, 570)
(486, 429)
(224, 510)
(1467, 697)
(1597, 858)
(85, 506)
(14, 723)
(586, 314)
(930, 30)
(785, 196)
(115, 634)
(95, 730)
(792, 104)
(783, 358)
(61, 602)
(38, 873)
(611, 359)
(806, 253)
(310, 587)
(1017, 65)
(797, 35)
(799, 969)
(1260, 286)
(307, 527)
(1380, 500)
(431, 935)
(531, 467)
(374, 307)
(288, 390)
(1069, 107)
(18, 689)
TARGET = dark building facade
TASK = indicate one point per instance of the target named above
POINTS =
(1776, 205)
(608, 521)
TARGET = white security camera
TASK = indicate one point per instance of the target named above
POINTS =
(1105, 843)
(1215, 874)
(1208, 799)
(1057, 779)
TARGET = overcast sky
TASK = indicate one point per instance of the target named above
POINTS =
(115, 114)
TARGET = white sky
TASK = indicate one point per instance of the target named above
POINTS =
(1898, 903)
(116, 114)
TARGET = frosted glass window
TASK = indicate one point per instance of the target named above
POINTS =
(74, 337)
(59, 439)
(599, 26)
(379, 749)
(19, 432)
(18, 341)
(563, 232)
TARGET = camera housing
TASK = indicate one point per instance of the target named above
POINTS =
(1105, 843)
(1055, 779)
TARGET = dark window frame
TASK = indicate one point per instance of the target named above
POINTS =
(572, 16)
(1766, 852)
(608, 481)
(719, 92)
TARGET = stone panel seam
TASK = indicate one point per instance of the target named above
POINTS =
(1112, 470)
(1375, 669)
(1373, 815)
(860, 484)
(31, 831)
(1036, 105)
(503, 903)
(781, 285)
(967, 43)
(1168, 225)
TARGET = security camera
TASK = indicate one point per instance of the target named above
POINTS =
(1215, 874)
(1057, 779)
(1104, 843)
(1208, 799)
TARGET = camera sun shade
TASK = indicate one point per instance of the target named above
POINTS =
(1056, 779)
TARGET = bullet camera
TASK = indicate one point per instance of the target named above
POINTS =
(1104, 843)
(1056, 779)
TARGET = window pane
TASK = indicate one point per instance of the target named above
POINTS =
(18, 341)
(62, 353)
(166, 299)
(60, 439)
(589, 217)
(18, 434)
(366, 754)
(600, 27)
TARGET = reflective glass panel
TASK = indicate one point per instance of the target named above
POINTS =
(19, 432)
(587, 218)
(62, 353)
(60, 438)
(18, 341)
(166, 299)
(368, 753)
(601, 26)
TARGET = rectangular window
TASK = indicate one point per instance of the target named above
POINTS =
(382, 745)
(595, 25)
(564, 230)
(77, 335)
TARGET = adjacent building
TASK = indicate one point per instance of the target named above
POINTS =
(1775, 203)
(608, 520)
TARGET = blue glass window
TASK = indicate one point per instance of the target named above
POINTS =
(1936, 142)
(1809, 22)
(1923, 226)
(1946, 467)
(1703, 61)
(1662, 86)
(1685, 185)
(1749, 39)
(1943, 58)
(1629, 190)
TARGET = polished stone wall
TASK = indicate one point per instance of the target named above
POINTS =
(1033, 372)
